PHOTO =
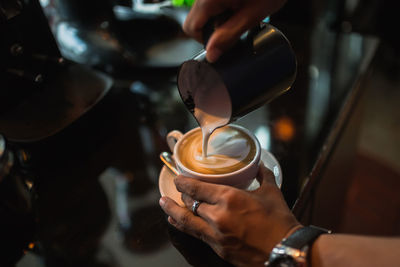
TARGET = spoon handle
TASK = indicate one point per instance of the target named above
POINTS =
(169, 162)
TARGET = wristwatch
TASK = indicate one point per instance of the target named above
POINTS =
(292, 251)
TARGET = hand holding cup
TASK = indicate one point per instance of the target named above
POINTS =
(240, 226)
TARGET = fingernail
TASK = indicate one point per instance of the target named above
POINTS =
(162, 201)
(171, 220)
(213, 54)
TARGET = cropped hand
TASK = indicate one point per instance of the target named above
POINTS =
(246, 14)
(241, 226)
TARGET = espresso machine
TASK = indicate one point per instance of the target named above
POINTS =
(41, 93)
(121, 37)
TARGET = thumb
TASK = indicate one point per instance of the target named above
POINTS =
(266, 176)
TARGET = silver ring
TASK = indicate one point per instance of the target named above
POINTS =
(195, 206)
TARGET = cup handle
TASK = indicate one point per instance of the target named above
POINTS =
(172, 138)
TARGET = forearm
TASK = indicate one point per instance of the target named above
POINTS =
(352, 250)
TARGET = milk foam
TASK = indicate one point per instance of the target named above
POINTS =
(229, 149)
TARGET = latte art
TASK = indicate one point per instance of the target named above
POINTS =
(229, 149)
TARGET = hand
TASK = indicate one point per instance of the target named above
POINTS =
(241, 226)
(246, 14)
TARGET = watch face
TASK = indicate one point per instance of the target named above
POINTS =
(285, 261)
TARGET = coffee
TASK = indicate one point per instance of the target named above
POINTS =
(229, 149)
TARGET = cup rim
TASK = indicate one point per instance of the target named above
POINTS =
(255, 160)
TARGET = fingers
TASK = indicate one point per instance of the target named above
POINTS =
(184, 220)
(203, 210)
(202, 11)
(228, 33)
(246, 14)
(206, 192)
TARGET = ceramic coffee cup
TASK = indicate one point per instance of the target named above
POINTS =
(240, 175)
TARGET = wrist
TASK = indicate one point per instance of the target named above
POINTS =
(292, 230)
(294, 249)
(268, 241)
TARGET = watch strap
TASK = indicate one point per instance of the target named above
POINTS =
(293, 250)
(304, 236)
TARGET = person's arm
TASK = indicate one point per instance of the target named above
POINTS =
(355, 250)
(245, 15)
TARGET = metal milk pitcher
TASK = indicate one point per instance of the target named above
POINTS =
(257, 69)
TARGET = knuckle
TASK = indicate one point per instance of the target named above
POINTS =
(232, 198)
(226, 192)
(192, 191)
(184, 220)
(229, 195)
(222, 222)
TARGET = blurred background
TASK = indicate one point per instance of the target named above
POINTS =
(88, 93)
